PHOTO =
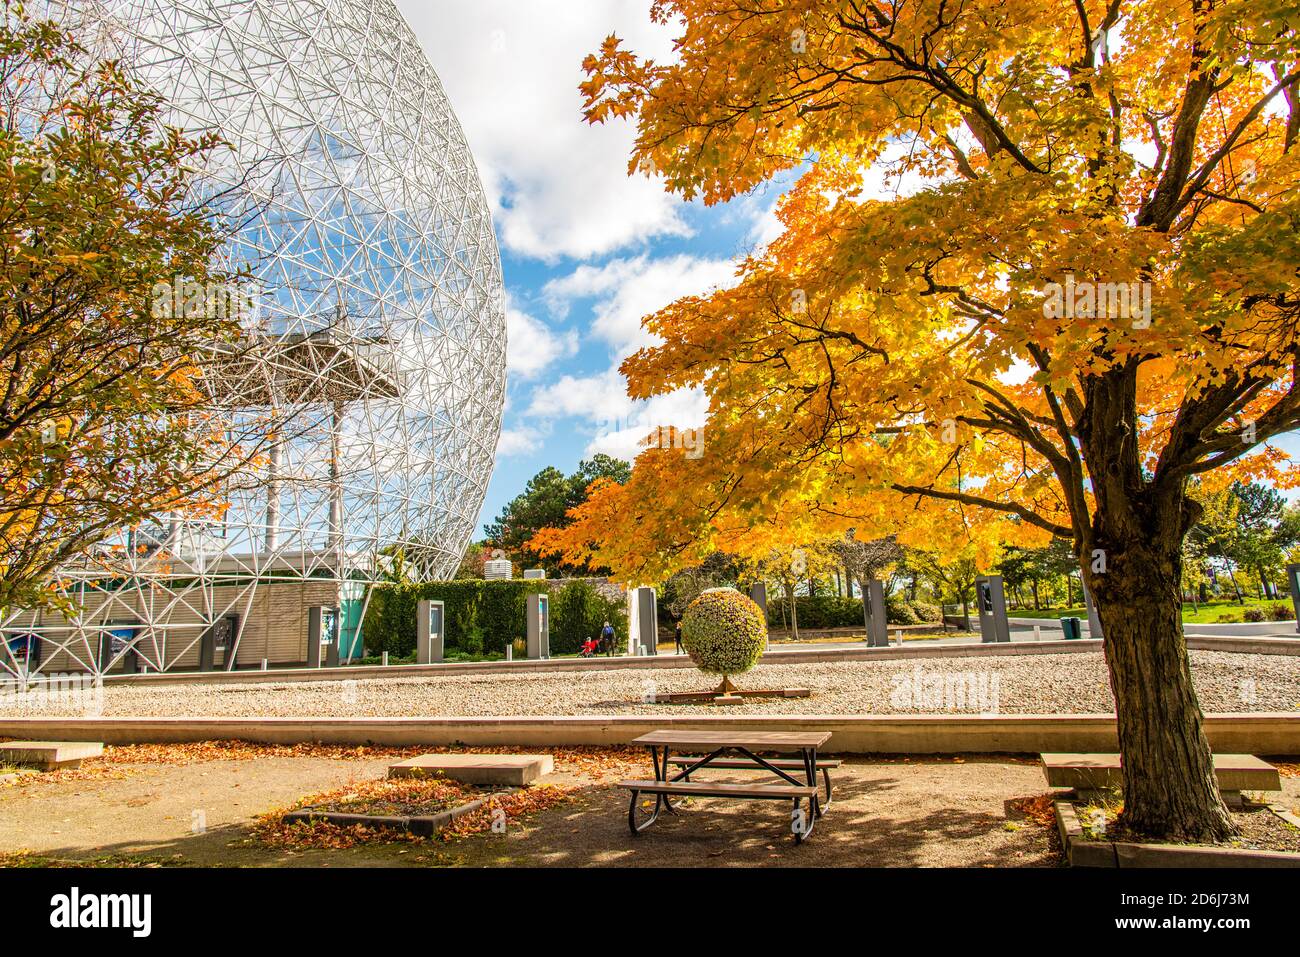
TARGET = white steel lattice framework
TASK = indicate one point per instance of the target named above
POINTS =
(379, 339)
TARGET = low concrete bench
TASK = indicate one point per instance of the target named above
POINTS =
(514, 770)
(50, 754)
(1103, 772)
(824, 765)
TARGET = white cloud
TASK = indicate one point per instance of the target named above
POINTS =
(558, 186)
(684, 408)
(622, 292)
(520, 441)
(766, 227)
(627, 290)
(617, 423)
(532, 347)
(594, 398)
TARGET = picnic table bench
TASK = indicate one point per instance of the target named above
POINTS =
(733, 750)
(824, 765)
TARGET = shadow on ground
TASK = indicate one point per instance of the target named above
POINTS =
(886, 813)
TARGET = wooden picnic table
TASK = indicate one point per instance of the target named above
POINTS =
(797, 778)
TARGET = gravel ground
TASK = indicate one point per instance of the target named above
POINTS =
(1030, 684)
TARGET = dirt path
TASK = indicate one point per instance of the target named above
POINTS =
(191, 812)
(913, 814)
(941, 812)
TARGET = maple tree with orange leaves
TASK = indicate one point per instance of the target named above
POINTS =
(1075, 293)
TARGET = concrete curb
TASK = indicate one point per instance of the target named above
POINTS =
(1082, 852)
(1246, 628)
(423, 825)
(1245, 646)
(1264, 733)
(1079, 851)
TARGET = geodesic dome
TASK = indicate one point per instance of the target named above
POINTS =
(376, 354)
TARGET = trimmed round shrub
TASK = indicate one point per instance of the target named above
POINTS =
(1281, 613)
(724, 632)
(1253, 613)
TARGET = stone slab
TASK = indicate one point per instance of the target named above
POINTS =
(1235, 772)
(508, 769)
(50, 754)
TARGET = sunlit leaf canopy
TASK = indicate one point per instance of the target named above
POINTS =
(894, 362)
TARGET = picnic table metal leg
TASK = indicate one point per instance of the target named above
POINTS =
(810, 769)
(668, 799)
(632, 824)
(661, 775)
(803, 824)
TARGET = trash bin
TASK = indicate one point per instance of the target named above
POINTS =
(1071, 627)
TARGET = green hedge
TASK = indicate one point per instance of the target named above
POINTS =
(497, 609)
(832, 611)
(579, 612)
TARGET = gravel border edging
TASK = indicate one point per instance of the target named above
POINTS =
(419, 824)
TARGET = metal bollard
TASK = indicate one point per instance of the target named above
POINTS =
(385, 659)
(510, 652)
(264, 664)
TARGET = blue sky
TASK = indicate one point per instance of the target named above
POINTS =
(586, 249)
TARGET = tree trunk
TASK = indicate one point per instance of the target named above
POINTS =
(1265, 584)
(1232, 577)
(1130, 551)
(794, 610)
(1169, 784)
(866, 616)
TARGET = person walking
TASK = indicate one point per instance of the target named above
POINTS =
(607, 638)
(677, 635)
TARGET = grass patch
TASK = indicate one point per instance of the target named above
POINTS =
(1212, 612)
